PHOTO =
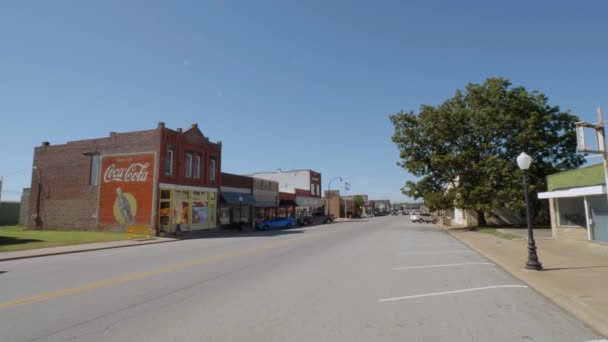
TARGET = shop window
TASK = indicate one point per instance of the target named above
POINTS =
(197, 167)
(169, 163)
(571, 212)
(199, 208)
(188, 165)
(165, 194)
(181, 207)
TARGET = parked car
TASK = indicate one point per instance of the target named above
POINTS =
(423, 217)
(276, 223)
(315, 218)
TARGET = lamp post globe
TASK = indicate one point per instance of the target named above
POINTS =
(524, 161)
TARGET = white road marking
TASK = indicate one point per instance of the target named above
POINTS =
(437, 252)
(443, 265)
(452, 292)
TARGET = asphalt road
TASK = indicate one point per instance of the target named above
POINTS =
(380, 279)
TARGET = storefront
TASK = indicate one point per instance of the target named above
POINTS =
(578, 204)
(287, 205)
(186, 207)
(236, 208)
(308, 205)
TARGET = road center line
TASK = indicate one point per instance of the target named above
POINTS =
(440, 244)
(452, 292)
(146, 274)
(443, 265)
(436, 252)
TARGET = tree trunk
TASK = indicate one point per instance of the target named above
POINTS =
(481, 218)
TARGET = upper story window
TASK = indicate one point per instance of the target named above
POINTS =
(197, 167)
(95, 164)
(169, 163)
(212, 170)
(188, 165)
(312, 189)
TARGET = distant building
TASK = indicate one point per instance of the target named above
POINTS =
(304, 184)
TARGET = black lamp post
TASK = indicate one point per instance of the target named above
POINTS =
(524, 161)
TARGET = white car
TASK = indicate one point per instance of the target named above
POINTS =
(423, 217)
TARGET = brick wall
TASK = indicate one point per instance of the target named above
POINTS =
(191, 142)
(67, 200)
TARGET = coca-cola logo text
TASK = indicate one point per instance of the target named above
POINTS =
(136, 172)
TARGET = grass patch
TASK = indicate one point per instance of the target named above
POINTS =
(16, 238)
(495, 232)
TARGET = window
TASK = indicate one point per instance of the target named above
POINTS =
(318, 189)
(169, 163)
(94, 176)
(197, 167)
(312, 189)
(188, 165)
(212, 170)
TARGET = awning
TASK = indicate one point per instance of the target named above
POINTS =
(287, 203)
(233, 198)
(574, 192)
(309, 201)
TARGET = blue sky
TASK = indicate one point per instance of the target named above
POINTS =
(283, 84)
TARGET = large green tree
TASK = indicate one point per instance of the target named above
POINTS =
(466, 147)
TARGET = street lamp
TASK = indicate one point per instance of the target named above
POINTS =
(329, 194)
(524, 161)
(240, 210)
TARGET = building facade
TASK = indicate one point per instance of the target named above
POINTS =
(578, 204)
(266, 197)
(304, 184)
(144, 181)
(237, 201)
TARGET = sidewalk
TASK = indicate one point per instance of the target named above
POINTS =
(33, 253)
(575, 275)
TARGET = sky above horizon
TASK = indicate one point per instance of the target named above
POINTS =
(283, 84)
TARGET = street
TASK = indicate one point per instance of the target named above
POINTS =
(378, 279)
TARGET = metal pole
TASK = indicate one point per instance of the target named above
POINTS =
(345, 215)
(533, 263)
(601, 141)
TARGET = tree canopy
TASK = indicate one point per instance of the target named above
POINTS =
(464, 149)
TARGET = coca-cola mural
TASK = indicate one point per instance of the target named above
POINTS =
(126, 192)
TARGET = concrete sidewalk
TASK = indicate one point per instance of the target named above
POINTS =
(85, 247)
(575, 274)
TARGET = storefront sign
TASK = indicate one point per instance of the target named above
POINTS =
(126, 192)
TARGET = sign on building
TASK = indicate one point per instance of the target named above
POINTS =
(126, 194)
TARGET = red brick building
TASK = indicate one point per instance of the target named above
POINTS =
(136, 181)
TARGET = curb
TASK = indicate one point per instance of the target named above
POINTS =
(2, 259)
(598, 327)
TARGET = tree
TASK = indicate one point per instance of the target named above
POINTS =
(468, 144)
(358, 202)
